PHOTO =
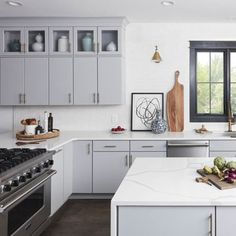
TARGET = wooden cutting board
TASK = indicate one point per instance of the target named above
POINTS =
(216, 181)
(175, 106)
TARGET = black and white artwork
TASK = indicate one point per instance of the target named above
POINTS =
(143, 110)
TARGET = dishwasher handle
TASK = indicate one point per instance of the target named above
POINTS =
(188, 145)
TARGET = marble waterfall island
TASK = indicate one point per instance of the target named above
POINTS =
(159, 196)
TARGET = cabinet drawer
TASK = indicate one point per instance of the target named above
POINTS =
(223, 146)
(110, 146)
(148, 146)
(223, 154)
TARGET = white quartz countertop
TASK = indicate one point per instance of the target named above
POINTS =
(170, 182)
(8, 140)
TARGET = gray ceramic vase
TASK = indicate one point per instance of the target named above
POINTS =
(158, 125)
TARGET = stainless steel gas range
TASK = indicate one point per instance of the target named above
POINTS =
(25, 190)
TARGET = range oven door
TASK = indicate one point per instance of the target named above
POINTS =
(25, 210)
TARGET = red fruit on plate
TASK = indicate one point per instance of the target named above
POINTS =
(122, 129)
(118, 127)
(113, 129)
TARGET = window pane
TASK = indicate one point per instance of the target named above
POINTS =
(217, 66)
(233, 97)
(217, 98)
(203, 98)
(233, 66)
(203, 62)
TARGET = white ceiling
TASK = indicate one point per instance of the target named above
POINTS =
(134, 10)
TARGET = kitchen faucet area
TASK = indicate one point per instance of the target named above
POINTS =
(118, 118)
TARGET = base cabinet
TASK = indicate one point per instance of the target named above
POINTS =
(166, 221)
(67, 169)
(109, 169)
(225, 221)
(57, 186)
(82, 167)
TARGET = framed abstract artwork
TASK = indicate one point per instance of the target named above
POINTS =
(143, 110)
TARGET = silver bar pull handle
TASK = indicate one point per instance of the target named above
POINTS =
(210, 225)
(126, 160)
(89, 147)
(98, 98)
(24, 96)
(130, 160)
(20, 98)
(110, 146)
(69, 96)
(147, 146)
(98, 49)
(69, 46)
(94, 98)
(94, 47)
(188, 145)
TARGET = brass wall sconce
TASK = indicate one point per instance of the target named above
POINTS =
(156, 57)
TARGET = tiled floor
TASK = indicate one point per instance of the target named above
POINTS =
(82, 218)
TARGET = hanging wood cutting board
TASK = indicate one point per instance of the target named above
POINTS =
(175, 106)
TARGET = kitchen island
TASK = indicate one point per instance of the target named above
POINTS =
(160, 197)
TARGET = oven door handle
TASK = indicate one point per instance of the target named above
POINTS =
(49, 175)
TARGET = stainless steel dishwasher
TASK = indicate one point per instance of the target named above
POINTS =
(187, 148)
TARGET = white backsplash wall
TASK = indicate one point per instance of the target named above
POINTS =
(142, 75)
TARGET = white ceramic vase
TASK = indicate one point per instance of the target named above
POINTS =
(63, 44)
(111, 47)
(38, 45)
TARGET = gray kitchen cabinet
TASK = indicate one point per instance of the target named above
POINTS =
(225, 221)
(166, 221)
(12, 81)
(110, 85)
(24, 81)
(109, 169)
(147, 148)
(85, 80)
(82, 167)
(134, 155)
(68, 158)
(57, 186)
(226, 148)
(98, 80)
(61, 81)
(36, 81)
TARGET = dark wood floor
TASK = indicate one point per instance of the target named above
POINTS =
(82, 218)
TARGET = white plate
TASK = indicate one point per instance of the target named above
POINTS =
(118, 132)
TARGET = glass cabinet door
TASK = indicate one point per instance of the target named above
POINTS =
(85, 40)
(109, 39)
(36, 40)
(60, 40)
(12, 41)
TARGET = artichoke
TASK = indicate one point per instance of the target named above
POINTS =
(220, 162)
(231, 165)
(207, 170)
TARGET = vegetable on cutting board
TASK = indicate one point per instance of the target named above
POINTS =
(225, 171)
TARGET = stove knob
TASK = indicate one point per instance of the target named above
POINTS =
(15, 183)
(7, 188)
(51, 162)
(38, 169)
(22, 178)
(29, 175)
(45, 165)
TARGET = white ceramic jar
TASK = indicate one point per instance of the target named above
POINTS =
(111, 47)
(63, 44)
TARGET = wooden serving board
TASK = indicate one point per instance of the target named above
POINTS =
(21, 136)
(216, 181)
(175, 106)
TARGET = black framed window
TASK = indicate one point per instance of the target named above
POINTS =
(212, 80)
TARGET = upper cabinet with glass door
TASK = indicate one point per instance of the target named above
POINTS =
(24, 40)
(85, 40)
(12, 41)
(109, 40)
(36, 41)
(61, 40)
